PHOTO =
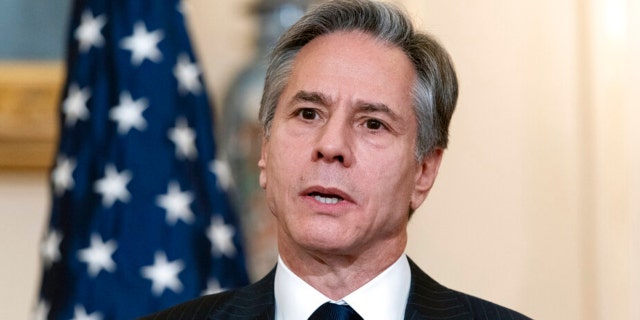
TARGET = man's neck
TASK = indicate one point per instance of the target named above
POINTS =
(337, 275)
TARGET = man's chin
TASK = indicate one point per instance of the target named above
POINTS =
(328, 245)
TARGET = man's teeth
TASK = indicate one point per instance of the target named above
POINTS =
(327, 200)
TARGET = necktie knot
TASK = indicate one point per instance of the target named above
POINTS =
(332, 311)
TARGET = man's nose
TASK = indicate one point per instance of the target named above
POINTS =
(334, 143)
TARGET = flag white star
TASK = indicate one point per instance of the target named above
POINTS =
(42, 310)
(187, 73)
(98, 255)
(176, 203)
(113, 186)
(88, 32)
(143, 44)
(128, 114)
(223, 174)
(62, 175)
(185, 140)
(213, 286)
(183, 7)
(74, 106)
(80, 313)
(163, 274)
(221, 237)
(50, 247)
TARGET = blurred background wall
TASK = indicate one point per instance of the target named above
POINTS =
(540, 186)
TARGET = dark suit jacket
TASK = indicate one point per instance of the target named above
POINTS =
(427, 300)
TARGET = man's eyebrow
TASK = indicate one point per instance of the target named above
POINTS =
(313, 97)
(369, 107)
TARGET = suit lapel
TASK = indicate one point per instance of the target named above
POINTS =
(430, 300)
(267, 314)
(256, 301)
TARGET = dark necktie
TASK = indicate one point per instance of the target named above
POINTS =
(332, 311)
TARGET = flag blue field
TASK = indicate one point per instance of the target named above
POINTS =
(140, 218)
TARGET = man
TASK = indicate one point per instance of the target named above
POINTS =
(355, 114)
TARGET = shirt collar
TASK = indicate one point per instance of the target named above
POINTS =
(384, 297)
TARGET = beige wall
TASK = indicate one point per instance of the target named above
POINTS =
(508, 190)
(23, 206)
(537, 204)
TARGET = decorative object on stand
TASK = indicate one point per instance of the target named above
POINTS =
(242, 137)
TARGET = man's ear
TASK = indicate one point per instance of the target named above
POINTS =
(426, 176)
(262, 164)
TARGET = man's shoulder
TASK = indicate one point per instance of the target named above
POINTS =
(482, 309)
(199, 308)
(430, 299)
(255, 301)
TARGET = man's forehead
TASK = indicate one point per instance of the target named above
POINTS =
(351, 65)
(344, 41)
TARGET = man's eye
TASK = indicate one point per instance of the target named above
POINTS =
(308, 114)
(373, 124)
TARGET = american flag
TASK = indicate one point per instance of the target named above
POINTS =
(140, 219)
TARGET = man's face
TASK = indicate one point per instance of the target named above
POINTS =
(338, 167)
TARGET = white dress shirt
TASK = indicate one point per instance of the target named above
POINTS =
(384, 297)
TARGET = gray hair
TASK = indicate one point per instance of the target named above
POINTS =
(436, 89)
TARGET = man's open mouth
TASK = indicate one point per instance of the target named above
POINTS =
(326, 198)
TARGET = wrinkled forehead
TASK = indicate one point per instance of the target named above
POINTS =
(354, 65)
